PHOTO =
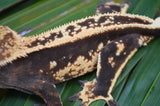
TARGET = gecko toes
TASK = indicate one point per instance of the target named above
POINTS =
(82, 83)
(74, 97)
(112, 103)
(86, 95)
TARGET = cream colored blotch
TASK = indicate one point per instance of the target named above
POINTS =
(157, 22)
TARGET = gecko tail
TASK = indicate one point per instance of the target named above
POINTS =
(9, 42)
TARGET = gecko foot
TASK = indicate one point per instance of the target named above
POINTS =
(88, 94)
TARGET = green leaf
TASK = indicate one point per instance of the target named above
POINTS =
(7, 3)
(139, 83)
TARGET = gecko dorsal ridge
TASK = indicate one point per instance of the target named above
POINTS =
(62, 35)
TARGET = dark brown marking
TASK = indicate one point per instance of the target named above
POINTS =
(102, 19)
(87, 22)
(6, 38)
(108, 9)
(8, 42)
(89, 66)
(126, 20)
(115, 8)
(70, 29)
(78, 31)
(47, 39)
(60, 34)
(95, 65)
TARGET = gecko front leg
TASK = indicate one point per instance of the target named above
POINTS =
(112, 59)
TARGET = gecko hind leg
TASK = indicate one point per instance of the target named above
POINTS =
(111, 60)
(33, 85)
(47, 92)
